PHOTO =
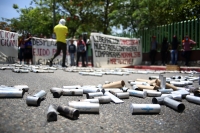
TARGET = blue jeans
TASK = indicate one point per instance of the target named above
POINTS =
(72, 59)
(174, 56)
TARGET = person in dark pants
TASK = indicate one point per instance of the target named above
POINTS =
(153, 50)
(81, 49)
(72, 51)
(61, 32)
(164, 50)
(187, 49)
(174, 51)
(87, 47)
(22, 49)
(28, 49)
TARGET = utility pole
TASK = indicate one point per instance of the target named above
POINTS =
(54, 17)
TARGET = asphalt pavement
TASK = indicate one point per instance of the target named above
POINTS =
(17, 117)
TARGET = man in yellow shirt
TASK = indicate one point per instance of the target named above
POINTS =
(61, 32)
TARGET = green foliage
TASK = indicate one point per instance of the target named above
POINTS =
(101, 15)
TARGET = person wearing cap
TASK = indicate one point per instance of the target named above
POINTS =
(61, 32)
(187, 45)
(153, 50)
(174, 50)
(72, 51)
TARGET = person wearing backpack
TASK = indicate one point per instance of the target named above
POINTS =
(81, 49)
(72, 51)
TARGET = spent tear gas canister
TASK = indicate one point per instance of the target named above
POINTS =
(52, 113)
(163, 83)
(182, 92)
(113, 97)
(181, 84)
(41, 94)
(145, 108)
(159, 100)
(124, 89)
(167, 85)
(90, 90)
(193, 99)
(8, 88)
(90, 100)
(134, 87)
(57, 92)
(103, 99)
(177, 97)
(141, 87)
(142, 94)
(115, 91)
(153, 93)
(122, 95)
(138, 83)
(95, 94)
(117, 84)
(153, 77)
(11, 93)
(68, 111)
(23, 87)
(72, 87)
(36, 99)
(174, 104)
(85, 106)
(31, 100)
(107, 82)
(72, 92)
(165, 91)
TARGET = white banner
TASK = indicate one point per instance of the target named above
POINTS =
(111, 51)
(8, 46)
(44, 49)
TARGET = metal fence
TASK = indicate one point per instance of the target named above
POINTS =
(180, 29)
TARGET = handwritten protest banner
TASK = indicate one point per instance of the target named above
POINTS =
(110, 51)
(8, 46)
(44, 50)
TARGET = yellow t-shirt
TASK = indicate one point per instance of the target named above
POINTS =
(61, 31)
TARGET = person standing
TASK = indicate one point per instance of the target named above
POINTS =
(164, 50)
(81, 49)
(187, 45)
(72, 51)
(153, 50)
(28, 49)
(87, 47)
(61, 32)
(21, 49)
(174, 50)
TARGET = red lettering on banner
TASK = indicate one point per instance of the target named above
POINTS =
(137, 54)
(41, 52)
(33, 51)
(126, 55)
(53, 51)
(129, 42)
(113, 61)
(121, 61)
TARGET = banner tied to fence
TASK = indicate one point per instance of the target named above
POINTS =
(111, 51)
(8, 46)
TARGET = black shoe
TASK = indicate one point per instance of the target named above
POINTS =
(50, 63)
(64, 66)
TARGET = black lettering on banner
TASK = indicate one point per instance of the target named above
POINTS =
(1, 33)
(106, 40)
(10, 59)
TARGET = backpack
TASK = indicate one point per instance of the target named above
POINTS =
(81, 47)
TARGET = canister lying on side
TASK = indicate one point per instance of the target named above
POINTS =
(145, 108)
(142, 94)
(36, 99)
(86, 107)
(193, 99)
(103, 99)
(72, 92)
(68, 112)
(174, 104)
(13, 93)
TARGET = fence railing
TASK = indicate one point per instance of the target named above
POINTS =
(180, 29)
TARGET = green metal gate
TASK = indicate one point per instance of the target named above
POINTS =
(180, 29)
